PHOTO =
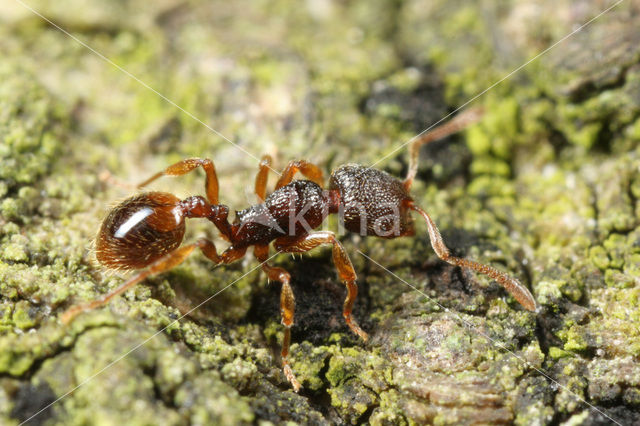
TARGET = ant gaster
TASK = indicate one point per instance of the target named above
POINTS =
(146, 230)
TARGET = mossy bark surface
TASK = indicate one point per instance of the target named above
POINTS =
(546, 187)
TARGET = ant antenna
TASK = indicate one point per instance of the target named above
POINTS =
(513, 286)
(459, 122)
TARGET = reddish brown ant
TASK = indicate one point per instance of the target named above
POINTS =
(146, 230)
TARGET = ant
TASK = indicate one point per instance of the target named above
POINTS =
(146, 230)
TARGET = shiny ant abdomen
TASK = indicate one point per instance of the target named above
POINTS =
(145, 232)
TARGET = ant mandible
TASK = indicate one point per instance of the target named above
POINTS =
(146, 230)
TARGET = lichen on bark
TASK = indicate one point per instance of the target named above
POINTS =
(545, 187)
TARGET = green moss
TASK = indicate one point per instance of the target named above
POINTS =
(352, 400)
(631, 396)
(405, 80)
(617, 279)
(575, 339)
(28, 128)
(599, 257)
(239, 373)
(584, 135)
(21, 317)
(616, 247)
(309, 363)
(343, 367)
(549, 293)
(390, 409)
(15, 252)
(489, 165)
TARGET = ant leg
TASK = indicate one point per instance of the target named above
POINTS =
(309, 170)
(456, 124)
(340, 258)
(261, 177)
(517, 290)
(287, 308)
(163, 264)
(107, 177)
(185, 166)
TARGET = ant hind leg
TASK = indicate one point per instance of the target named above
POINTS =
(262, 176)
(185, 166)
(309, 170)
(165, 263)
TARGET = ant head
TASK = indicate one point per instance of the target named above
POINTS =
(140, 230)
(372, 202)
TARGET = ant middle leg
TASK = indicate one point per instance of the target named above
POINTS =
(262, 176)
(346, 272)
(309, 170)
(513, 286)
(287, 308)
(185, 166)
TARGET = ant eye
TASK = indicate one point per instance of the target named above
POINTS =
(140, 230)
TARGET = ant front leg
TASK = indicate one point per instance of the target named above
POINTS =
(517, 290)
(309, 170)
(287, 308)
(185, 166)
(341, 259)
